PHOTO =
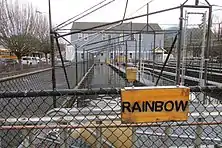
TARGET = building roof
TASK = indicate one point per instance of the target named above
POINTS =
(160, 50)
(123, 27)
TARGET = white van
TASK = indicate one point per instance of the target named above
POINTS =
(29, 60)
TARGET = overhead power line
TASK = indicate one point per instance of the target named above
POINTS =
(115, 22)
(71, 20)
(96, 34)
(80, 14)
(125, 9)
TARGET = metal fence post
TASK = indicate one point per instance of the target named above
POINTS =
(179, 47)
(208, 45)
(139, 55)
(135, 51)
(201, 98)
(76, 56)
(52, 53)
(84, 70)
(63, 66)
(184, 49)
(208, 38)
(126, 60)
(87, 59)
(154, 54)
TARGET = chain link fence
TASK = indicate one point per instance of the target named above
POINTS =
(15, 69)
(31, 122)
(41, 79)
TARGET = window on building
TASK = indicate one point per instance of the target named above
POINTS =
(79, 35)
(85, 37)
(101, 54)
(111, 55)
(131, 55)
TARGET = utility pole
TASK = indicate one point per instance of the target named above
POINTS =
(52, 53)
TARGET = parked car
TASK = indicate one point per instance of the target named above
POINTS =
(44, 60)
(29, 60)
(38, 59)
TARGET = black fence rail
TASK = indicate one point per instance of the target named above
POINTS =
(93, 119)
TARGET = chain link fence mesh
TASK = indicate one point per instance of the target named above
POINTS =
(94, 120)
(41, 79)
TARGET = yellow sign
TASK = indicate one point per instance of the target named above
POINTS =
(154, 104)
(131, 74)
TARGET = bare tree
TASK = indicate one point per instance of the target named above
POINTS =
(43, 35)
(18, 27)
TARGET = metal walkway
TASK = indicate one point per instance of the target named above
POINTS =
(105, 77)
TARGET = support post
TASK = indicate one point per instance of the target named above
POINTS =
(110, 49)
(76, 57)
(179, 47)
(84, 67)
(203, 59)
(208, 45)
(154, 55)
(131, 31)
(52, 53)
(151, 51)
(135, 51)
(87, 59)
(114, 56)
(184, 49)
(139, 55)
(63, 66)
(87, 67)
(126, 60)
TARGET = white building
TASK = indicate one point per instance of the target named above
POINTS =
(111, 41)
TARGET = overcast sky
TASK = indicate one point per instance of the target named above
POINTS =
(64, 9)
